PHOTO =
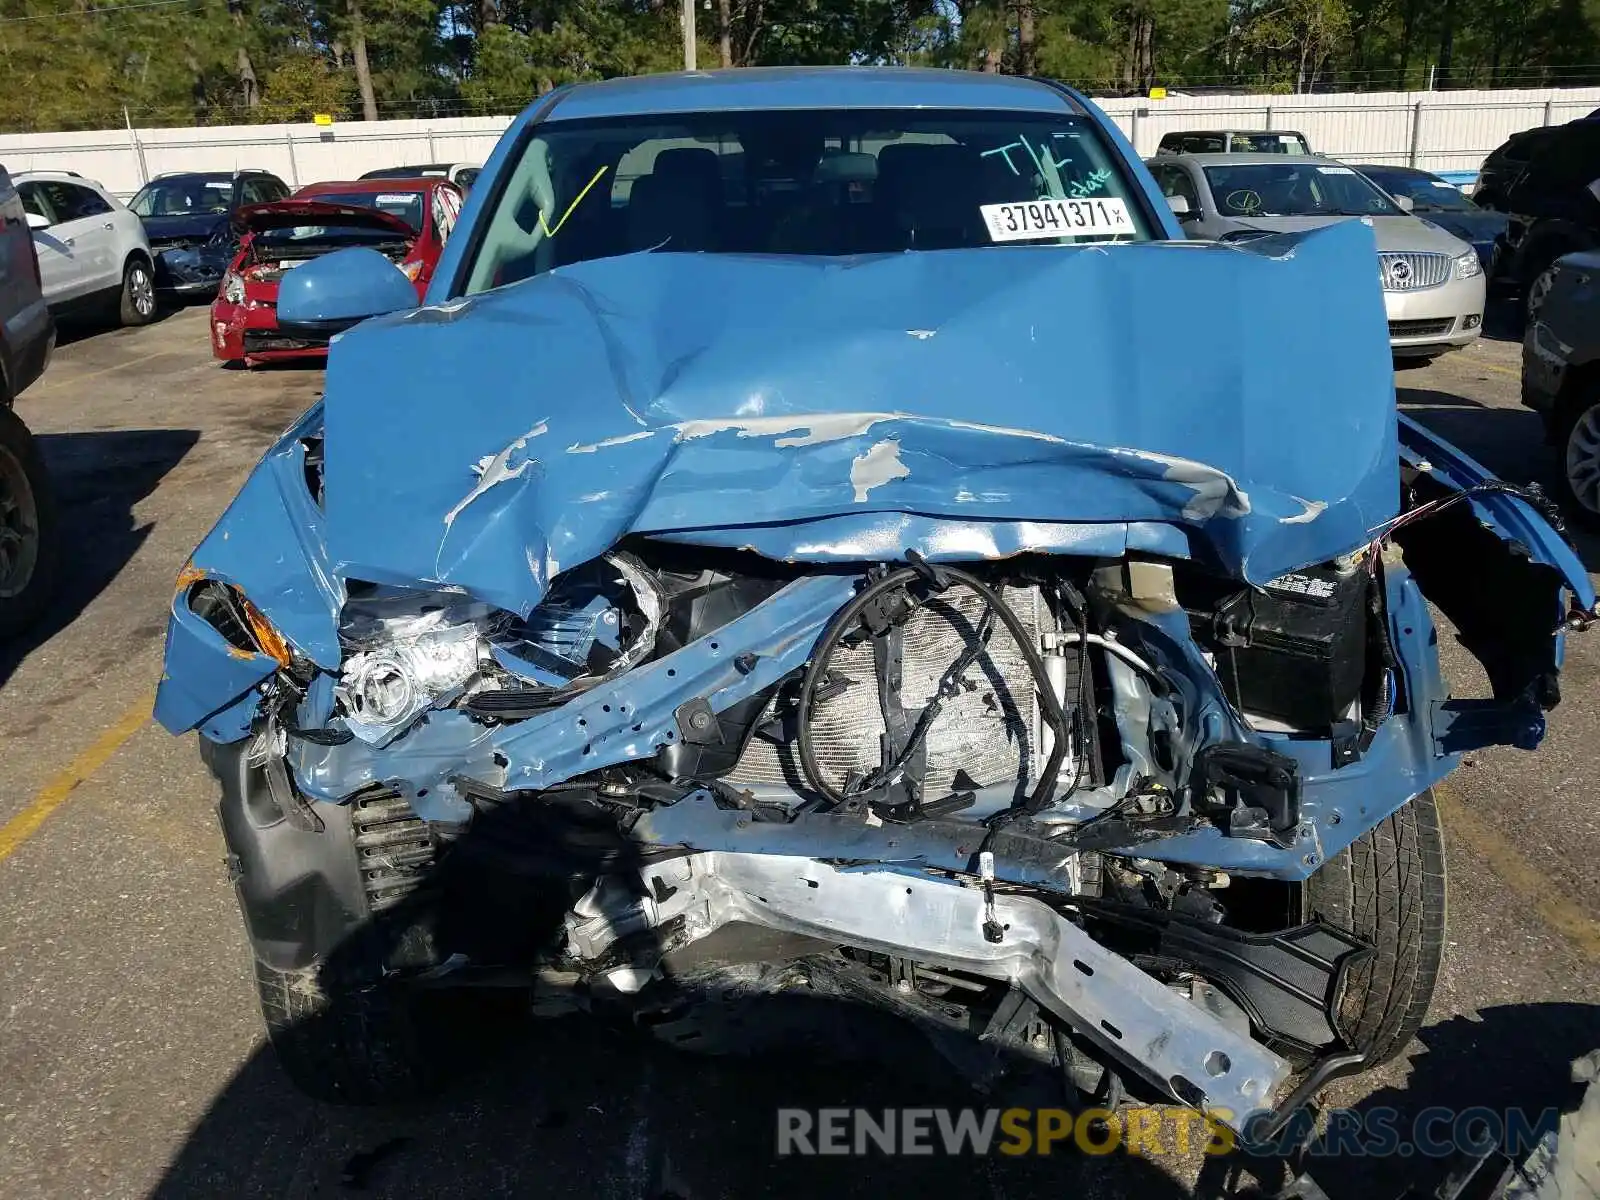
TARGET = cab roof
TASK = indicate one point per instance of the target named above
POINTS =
(751, 88)
(1241, 158)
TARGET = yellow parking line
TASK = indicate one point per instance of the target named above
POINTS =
(56, 793)
(1515, 373)
(1525, 880)
(66, 380)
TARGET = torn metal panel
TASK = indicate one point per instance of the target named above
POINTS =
(1511, 517)
(203, 678)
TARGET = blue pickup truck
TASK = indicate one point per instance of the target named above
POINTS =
(27, 508)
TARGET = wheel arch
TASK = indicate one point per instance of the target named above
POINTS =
(1580, 387)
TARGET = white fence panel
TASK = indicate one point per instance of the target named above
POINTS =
(1440, 131)
(1437, 130)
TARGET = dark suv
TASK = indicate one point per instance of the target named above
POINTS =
(186, 215)
(27, 510)
(1551, 200)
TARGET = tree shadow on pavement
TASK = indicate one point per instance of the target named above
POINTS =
(97, 479)
(78, 327)
(576, 1107)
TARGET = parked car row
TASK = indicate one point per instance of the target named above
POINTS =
(69, 247)
(408, 220)
(1433, 279)
(176, 238)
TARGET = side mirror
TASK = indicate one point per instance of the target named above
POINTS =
(1404, 203)
(35, 221)
(332, 293)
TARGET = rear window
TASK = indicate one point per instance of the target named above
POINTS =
(398, 203)
(186, 197)
(1226, 142)
(812, 182)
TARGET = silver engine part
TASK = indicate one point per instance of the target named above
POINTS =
(1175, 1043)
(989, 732)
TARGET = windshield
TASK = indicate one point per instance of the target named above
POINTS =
(190, 196)
(1427, 193)
(1295, 190)
(834, 182)
(405, 205)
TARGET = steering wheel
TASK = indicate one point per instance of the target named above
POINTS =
(1244, 202)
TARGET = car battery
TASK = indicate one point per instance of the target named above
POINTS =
(1294, 650)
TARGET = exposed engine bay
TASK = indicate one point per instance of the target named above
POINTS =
(974, 794)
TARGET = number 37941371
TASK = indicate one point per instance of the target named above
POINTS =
(1053, 218)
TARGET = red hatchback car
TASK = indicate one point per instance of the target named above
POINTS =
(407, 219)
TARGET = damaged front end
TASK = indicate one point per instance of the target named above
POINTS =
(1029, 737)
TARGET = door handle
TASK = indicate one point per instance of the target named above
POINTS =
(70, 242)
(108, 225)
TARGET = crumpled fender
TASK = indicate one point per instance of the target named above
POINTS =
(269, 545)
(1508, 581)
(1512, 517)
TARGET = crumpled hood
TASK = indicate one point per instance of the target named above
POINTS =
(968, 403)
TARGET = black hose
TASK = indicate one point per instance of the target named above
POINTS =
(845, 620)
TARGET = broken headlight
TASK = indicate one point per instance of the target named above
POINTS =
(407, 652)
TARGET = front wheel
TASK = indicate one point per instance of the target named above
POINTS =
(347, 1040)
(28, 533)
(1533, 296)
(137, 303)
(1578, 442)
(1387, 888)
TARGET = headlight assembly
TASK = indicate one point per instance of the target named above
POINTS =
(407, 652)
(233, 288)
(1467, 265)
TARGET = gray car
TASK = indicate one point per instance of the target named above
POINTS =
(1433, 285)
(1561, 376)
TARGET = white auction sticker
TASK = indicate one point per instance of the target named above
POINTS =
(1053, 218)
(397, 198)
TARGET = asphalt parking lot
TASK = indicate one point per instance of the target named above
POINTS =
(131, 1055)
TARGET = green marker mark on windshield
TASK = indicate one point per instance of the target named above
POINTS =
(548, 232)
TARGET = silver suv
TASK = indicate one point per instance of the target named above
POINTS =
(93, 252)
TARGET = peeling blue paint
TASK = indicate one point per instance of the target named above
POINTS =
(682, 393)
